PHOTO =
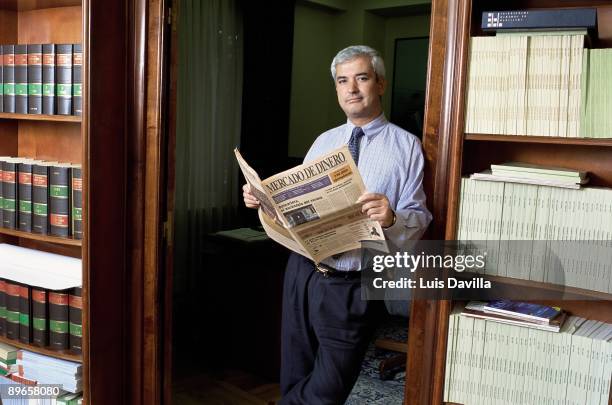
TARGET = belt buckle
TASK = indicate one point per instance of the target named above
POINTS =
(322, 270)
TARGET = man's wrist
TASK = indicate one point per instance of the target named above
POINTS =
(393, 220)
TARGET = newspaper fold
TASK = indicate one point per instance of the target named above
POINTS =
(312, 208)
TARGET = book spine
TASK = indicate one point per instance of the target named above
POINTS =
(9, 194)
(63, 75)
(59, 201)
(1, 78)
(12, 310)
(40, 317)
(48, 79)
(77, 203)
(24, 314)
(2, 307)
(40, 199)
(58, 320)
(35, 79)
(585, 18)
(21, 79)
(76, 319)
(77, 80)
(8, 75)
(25, 197)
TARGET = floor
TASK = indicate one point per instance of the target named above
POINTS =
(235, 387)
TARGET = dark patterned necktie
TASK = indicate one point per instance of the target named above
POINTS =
(353, 143)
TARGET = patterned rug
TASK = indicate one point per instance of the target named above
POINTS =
(369, 388)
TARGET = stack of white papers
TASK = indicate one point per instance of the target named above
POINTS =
(518, 172)
(39, 269)
(49, 370)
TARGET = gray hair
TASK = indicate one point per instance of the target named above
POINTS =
(356, 51)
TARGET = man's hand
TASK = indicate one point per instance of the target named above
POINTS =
(376, 207)
(249, 199)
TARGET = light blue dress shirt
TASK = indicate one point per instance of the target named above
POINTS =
(391, 163)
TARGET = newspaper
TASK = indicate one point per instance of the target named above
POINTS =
(312, 209)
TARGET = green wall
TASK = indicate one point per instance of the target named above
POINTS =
(322, 28)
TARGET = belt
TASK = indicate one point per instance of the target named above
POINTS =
(328, 271)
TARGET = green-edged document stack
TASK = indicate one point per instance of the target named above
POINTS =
(596, 111)
(489, 362)
(518, 172)
(539, 83)
(540, 233)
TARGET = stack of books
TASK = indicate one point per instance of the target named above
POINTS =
(524, 314)
(519, 172)
(8, 359)
(48, 370)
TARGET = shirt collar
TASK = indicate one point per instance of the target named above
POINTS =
(371, 128)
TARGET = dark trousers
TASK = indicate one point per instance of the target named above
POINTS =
(326, 329)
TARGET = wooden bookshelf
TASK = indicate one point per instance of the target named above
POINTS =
(46, 137)
(44, 238)
(451, 154)
(58, 354)
(41, 117)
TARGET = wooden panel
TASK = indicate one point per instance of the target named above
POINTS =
(170, 187)
(40, 117)
(8, 27)
(52, 25)
(431, 140)
(55, 141)
(153, 205)
(106, 114)
(66, 250)
(44, 238)
(422, 327)
(8, 138)
(58, 354)
(23, 5)
(596, 160)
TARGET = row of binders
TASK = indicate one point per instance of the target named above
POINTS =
(40, 298)
(32, 369)
(489, 362)
(540, 233)
(41, 197)
(41, 79)
(41, 317)
(543, 84)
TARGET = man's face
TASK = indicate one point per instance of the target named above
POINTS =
(358, 89)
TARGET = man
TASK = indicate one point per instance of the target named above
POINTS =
(326, 326)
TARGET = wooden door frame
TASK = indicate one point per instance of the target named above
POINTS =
(123, 125)
(442, 143)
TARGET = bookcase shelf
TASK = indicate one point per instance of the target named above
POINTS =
(555, 290)
(44, 238)
(601, 142)
(41, 117)
(58, 354)
(452, 153)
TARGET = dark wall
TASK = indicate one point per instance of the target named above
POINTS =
(268, 53)
(268, 57)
